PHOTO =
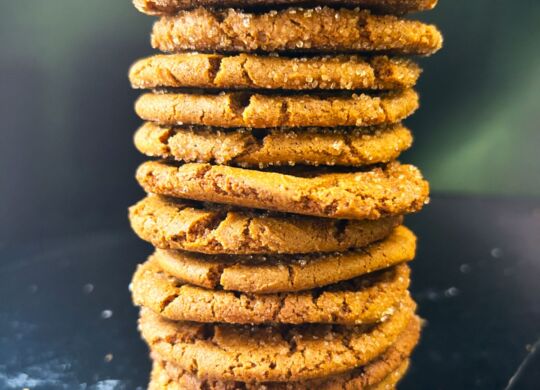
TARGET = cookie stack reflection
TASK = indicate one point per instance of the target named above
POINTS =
(275, 198)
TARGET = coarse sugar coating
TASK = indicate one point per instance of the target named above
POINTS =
(364, 300)
(164, 7)
(274, 147)
(217, 229)
(263, 111)
(393, 189)
(265, 274)
(315, 30)
(271, 353)
(247, 71)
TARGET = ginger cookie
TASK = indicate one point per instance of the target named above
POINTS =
(385, 370)
(274, 147)
(166, 377)
(245, 71)
(218, 229)
(319, 30)
(168, 7)
(271, 353)
(161, 379)
(364, 300)
(382, 191)
(263, 111)
(391, 381)
(265, 274)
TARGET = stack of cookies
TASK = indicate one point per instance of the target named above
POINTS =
(275, 201)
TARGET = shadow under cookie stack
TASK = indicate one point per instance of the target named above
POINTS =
(275, 201)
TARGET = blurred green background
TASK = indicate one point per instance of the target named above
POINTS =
(67, 117)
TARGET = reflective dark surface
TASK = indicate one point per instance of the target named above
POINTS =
(66, 320)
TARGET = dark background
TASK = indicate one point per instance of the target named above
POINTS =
(66, 179)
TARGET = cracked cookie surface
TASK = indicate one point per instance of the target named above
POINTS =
(320, 30)
(275, 147)
(394, 189)
(172, 224)
(382, 373)
(364, 300)
(271, 353)
(166, 377)
(264, 111)
(245, 71)
(265, 274)
(164, 7)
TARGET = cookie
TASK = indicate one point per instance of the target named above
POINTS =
(364, 300)
(263, 111)
(161, 378)
(310, 30)
(164, 7)
(391, 381)
(272, 274)
(246, 71)
(213, 229)
(390, 190)
(274, 147)
(270, 353)
(385, 370)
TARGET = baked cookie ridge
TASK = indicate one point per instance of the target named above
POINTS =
(217, 229)
(248, 71)
(318, 30)
(394, 189)
(274, 147)
(229, 109)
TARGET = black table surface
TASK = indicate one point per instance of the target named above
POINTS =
(67, 322)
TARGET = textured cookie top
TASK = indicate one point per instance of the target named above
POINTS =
(381, 373)
(165, 376)
(173, 224)
(246, 71)
(272, 274)
(163, 7)
(390, 190)
(363, 300)
(320, 30)
(270, 353)
(274, 147)
(262, 111)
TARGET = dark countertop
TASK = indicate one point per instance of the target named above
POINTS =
(66, 319)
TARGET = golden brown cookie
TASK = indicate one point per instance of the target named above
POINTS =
(213, 229)
(166, 377)
(364, 300)
(385, 370)
(274, 147)
(161, 380)
(271, 353)
(164, 7)
(265, 274)
(319, 30)
(390, 190)
(263, 111)
(245, 71)
(391, 381)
